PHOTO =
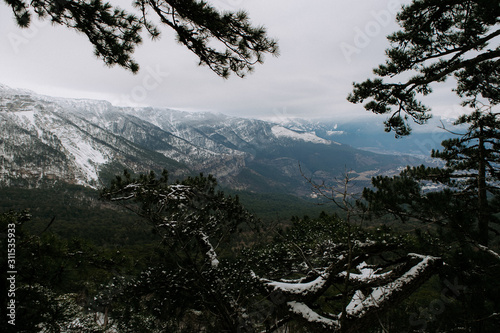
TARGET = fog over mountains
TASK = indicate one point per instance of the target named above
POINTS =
(46, 140)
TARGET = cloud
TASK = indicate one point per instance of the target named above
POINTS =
(325, 46)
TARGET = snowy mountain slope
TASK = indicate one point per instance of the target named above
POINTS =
(80, 141)
(280, 131)
(271, 153)
(369, 134)
(41, 141)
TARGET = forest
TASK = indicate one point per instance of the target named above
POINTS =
(415, 252)
(182, 256)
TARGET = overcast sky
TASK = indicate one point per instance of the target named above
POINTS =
(325, 45)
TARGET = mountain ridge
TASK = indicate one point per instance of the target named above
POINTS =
(81, 141)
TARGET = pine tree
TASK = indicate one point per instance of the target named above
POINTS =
(331, 275)
(115, 33)
(195, 276)
(474, 158)
(459, 220)
(438, 39)
(50, 278)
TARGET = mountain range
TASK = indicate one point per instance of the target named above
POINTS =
(46, 140)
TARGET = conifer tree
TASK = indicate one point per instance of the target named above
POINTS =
(469, 181)
(196, 280)
(455, 212)
(438, 39)
(471, 175)
(330, 275)
(454, 209)
(49, 278)
(115, 33)
(474, 158)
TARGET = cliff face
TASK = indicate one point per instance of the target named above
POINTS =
(45, 140)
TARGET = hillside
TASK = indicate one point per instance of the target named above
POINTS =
(48, 140)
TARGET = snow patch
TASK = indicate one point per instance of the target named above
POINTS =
(86, 156)
(211, 254)
(366, 273)
(335, 132)
(282, 132)
(28, 117)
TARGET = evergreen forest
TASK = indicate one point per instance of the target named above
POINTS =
(414, 252)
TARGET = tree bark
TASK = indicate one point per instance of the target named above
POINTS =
(481, 187)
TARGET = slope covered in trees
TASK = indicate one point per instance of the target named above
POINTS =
(216, 268)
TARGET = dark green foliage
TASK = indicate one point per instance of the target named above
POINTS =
(472, 163)
(327, 248)
(317, 241)
(77, 213)
(455, 212)
(195, 278)
(192, 203)
(53, 275)
(468, 182)
(115, 33)
(437, 39)
(278, 208)
(196, 273)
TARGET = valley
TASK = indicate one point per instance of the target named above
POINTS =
(48, 140)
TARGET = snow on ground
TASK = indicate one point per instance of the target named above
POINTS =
(28, 118)
(335, 132)
(87, 157)
(280, 132)
(29, 115)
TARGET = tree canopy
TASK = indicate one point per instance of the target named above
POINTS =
(455, 211)
(226, 42)
(201, 278)
(437, 39)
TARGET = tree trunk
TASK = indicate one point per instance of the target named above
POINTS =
(481, 187)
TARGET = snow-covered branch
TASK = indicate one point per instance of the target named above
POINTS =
(373, 290)
(489, 251)
(211, 255)
(297, 289)
(360, 304)
(311, 316)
